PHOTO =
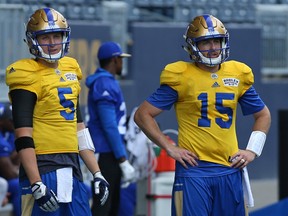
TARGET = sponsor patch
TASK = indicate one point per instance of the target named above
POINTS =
(70, 76)
(230, 82)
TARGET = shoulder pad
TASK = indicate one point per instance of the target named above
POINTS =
(71, 64)
(22, 72)
(172, 73)
(243, 71)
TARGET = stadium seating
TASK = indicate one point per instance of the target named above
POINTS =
(229, 11)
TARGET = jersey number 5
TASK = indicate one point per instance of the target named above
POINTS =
(66, 103)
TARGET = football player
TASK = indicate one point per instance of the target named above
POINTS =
(205, 94)
(50, 133)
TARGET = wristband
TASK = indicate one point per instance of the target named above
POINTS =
(85, 140)
(256, 142)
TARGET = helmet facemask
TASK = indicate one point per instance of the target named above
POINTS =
(45, 21)
(203, 28)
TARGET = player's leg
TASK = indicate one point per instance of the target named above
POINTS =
(191, 196)
(228, 195)
(80, 201)
(79, 205)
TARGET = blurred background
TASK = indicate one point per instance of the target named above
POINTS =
(152, 31)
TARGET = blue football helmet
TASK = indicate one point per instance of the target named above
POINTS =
(202, 28)
(43, 21)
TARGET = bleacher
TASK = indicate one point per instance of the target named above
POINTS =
(229, 11)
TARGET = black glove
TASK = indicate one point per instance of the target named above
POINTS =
(46, 199)
(101, 187)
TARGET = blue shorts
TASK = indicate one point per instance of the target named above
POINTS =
(212, 195)
(78, 207)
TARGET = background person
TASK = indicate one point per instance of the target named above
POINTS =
(205, 94)
(9, 159)
(107, 124)
(3, 192)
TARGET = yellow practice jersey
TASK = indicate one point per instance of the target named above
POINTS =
(206, 106)
(57, 90)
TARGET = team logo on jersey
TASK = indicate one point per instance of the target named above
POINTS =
(231, 82)
(214, 76)
(70, 76)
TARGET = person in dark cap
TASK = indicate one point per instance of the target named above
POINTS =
(107, 124)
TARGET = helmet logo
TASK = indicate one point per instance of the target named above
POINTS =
(51, 24)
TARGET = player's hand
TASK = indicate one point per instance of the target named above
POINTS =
(101, 188)
(242, 158)
(46, 199)
(183, 156)
(128, 171)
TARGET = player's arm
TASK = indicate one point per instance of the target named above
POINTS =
(262, 120)
(23, 103)
(251, 103)
(86, 151)
(145, 115)
(107, 115)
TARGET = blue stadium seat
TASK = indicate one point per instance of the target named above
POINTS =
(93, 2)
(16, 1)
(246, 3)
(142, 3)
(30, 1)
(226, 14)
(73, 11)
(77, 1)
(182, 14)
(214, 10)
(214, 2)
(198, 11)
(269, 1)
(202, 3)
(61, 8)
(169, 3)
(134, 14)
(185, 3)
(91, 12)
(244, 14)
(61, 2)
(157, 3)
(29, 9)
(229, 2)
